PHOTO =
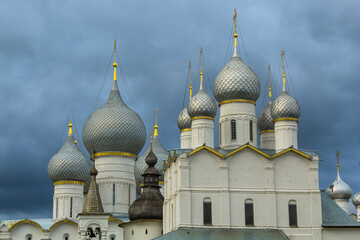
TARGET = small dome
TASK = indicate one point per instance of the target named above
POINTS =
(141, 166)
(114, 127)
(69, 164)
(265, 121)
(285, 106)
(184, 120)
(339, 189)
(356, 199)
(236, 81)
(202, 105)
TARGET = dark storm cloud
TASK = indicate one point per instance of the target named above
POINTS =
(57, 55)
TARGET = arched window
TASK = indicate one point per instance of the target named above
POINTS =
(249, 212)
(292, 214)
(112, 237)
(251, 130)
(28, 237)
(66, 236)
(207, 211)
(220, 133)
(71, 208)
(113, 200)
(129, 194)
(233, 129)
(57, 207)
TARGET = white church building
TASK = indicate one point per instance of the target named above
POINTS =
(237, 190)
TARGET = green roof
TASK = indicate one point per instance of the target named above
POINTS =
(221, 233)
(333, 215)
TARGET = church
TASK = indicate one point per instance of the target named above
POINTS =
(237, 190)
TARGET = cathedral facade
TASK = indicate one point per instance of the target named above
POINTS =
(237, 190)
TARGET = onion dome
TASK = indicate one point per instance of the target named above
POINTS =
(184, 120)
(69, 163)
(141, 165)
(150, 203)
(285, 106)
(356, 199)
(265, 121)
(114, 126)
(236, 80)
(339, 189)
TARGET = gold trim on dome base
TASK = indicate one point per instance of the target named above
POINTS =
(68, 182)
(185, 130)
(237, 100)
(286, 119)
(202, 117)
(266, 131)
(101, 154)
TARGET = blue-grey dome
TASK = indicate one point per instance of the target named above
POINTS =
(69, 164)
(184, 120)
(265, 121)
(202, 105)
(114, 127)
(356, 199)
(236, 81)
(339, 189)
(285, 106)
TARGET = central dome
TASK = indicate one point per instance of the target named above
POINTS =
(114, 127)
(236, 81)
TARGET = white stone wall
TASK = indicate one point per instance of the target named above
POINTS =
(202, 132)
(242, 113)
(267, 140)
(286, 135)
(344, 204)
(144, 230)
(118, 170)
(62, 207)
(340, 233)
(185, 139)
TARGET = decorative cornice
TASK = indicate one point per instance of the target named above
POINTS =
(185, 130)
(265, 131)
(206, 148)
(62, 221)
(237, 100)
(68, 182)
(286, 119)
(291, 150)
(247, 146)
(202, 117)
(100, 154)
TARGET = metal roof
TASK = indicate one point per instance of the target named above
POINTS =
(333, 215)
(220, 233)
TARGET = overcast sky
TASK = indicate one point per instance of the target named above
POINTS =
(56, 55)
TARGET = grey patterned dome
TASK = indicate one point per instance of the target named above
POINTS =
(141, 166)
(339, 189)
(285, 106)
(202, 105)
(236, 81)
(114, 127)
(265, 121)
(69, 164)
(356, 199)
(184, 120)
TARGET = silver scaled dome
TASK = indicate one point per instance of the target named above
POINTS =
(202, 105)
(339, 189)
(141, 166)
(236, 81)
(285, 106)
(69, 164)
(356, 199)
(114, 127)
(184, 120)
(265, 121)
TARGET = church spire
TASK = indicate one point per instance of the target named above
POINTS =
(269, 86)
(235, 34)
(201, 69)
(156, 125)
(283, 65)
(190, 79)
(93, 203)
(115, 86)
